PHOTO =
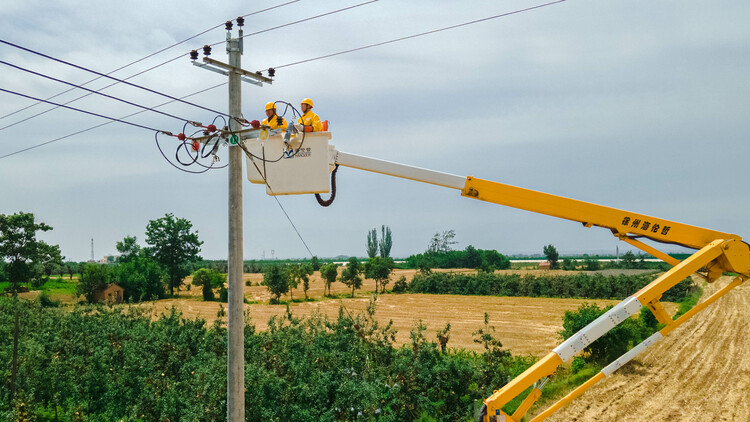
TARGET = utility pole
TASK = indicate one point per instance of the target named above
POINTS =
(235, 305)
(236, 318)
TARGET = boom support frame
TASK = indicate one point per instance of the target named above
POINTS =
(717, 253)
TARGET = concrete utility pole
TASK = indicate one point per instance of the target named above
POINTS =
(236, 319)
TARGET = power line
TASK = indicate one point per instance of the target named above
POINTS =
(263, 175)
(144, 58)
(109, 77)
(102, 124)
(83, 111)
(168, 61)
(302, 20)
(86, 95)
(93, 92)
(418, 35)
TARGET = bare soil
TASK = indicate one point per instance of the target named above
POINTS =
(701, 371)
(523, 325)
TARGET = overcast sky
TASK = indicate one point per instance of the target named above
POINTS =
(640, 105)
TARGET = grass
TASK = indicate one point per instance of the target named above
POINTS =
(59, 287)
(557, 387)
(54, 286)
(688, 303)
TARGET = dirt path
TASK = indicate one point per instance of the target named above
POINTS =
(701, 371)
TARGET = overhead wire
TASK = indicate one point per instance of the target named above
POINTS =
(301, 20)
(94, 92)
(263, 175)
(170, 60)
(103, 124)
(149, 56)
(156, 131)
(417, 35)
(84, 111)
(108, 77)
(182, 138)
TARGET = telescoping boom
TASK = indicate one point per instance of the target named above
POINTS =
(302, 165)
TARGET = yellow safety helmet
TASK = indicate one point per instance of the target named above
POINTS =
(307, 101)
(270, 105)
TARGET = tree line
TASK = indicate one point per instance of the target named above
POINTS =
(581, 285)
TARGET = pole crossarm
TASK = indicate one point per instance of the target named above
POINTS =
(225, 69)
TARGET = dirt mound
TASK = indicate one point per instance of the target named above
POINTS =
(701, 371)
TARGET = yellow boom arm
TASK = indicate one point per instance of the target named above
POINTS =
(303, 165)
(717, 253)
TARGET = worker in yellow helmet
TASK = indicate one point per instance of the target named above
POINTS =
(309, 120)
(273, 120)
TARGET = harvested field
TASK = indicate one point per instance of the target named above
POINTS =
(701, 371)
(524, 325)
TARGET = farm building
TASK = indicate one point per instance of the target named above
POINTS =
(545, 265)
(110, 293)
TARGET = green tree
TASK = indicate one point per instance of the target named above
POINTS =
(300, 273)
(93, 277)
(351, 274)
(442, 243)
(3, 273)
(372, 243)
(473, 258)
(379, 269)
(569, 264)
(173, 246)
(49, 260)
(400, 286)
(128, 249)
(141, 277)
(315, 262)
(25, 256)
(71, 268)
(611, 345)
(209, 279)
(276, 279)
(552, 256)
(591, 264)
(329, 272)
(386, 241)
(495, 260)
(628, 260)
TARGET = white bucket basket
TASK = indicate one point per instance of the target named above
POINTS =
(303, 168)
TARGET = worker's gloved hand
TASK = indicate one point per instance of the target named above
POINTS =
(255, 124)
(308, 128)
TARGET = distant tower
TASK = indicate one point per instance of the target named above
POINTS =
(92, 248)
(273, 252)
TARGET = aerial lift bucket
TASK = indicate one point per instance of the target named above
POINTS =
(300, 166)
